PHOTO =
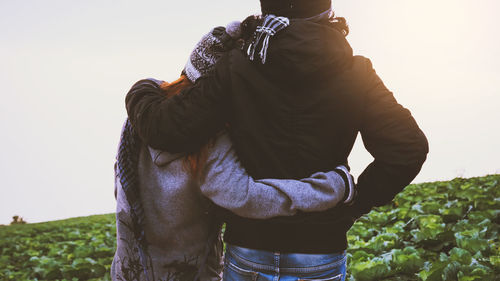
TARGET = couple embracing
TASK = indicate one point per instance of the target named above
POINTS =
(256, 134)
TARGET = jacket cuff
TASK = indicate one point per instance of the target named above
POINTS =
(350, 187)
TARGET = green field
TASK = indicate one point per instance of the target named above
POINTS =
(431, 231)
(73, 249)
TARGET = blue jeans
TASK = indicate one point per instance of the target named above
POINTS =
(243, 264)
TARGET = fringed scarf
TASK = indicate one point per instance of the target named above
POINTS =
(270, 26)
(126, 170)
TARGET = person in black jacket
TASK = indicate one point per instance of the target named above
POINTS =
(295, 109)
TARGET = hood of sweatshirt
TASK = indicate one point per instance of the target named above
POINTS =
(307, 47)
(162, 158)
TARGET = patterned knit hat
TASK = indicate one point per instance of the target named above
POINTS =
(210, 48)
(294, 8)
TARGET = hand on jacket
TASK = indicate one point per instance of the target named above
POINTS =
(229, 186)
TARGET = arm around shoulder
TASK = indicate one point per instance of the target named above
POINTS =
(184, 122)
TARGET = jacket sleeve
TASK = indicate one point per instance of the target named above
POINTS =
(392, 136)
(227, 184)
(184, 122)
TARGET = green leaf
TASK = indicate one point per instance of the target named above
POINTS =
(407, 261)
(435, 273)
(384, 241)
(495, 262)
(374, 269)
(471, 241)
(451, 270)
(361, 255)
(461, 256)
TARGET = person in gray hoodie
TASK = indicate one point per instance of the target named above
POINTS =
(178, 194)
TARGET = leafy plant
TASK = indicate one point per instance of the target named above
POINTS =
(74, 249)
(431, 232)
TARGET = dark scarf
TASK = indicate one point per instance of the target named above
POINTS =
(126, 170)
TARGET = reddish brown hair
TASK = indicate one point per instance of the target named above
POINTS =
(193, 162)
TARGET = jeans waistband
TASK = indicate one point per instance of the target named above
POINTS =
(261, 260)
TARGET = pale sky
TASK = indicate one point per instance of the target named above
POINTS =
(65, 67)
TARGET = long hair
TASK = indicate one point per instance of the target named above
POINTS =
(193, 162)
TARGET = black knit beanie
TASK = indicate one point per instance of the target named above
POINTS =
(295, 8)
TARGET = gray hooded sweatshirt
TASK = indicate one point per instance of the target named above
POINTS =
(182, 231)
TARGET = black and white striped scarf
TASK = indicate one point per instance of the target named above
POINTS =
(270, 26)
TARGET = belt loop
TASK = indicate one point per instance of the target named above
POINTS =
(276, 266)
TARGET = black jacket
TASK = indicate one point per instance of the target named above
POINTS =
(297, 114)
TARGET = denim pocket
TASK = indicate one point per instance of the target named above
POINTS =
(336, 272)
(236, 273)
